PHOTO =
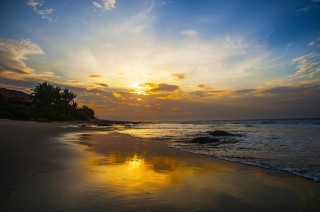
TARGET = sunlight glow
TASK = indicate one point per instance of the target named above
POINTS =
(135, 162)
(138, 89)
(130, 174)
(122, 56)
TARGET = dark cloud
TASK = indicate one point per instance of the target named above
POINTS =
(244, 91)
(164, 87)
(179, 76)
(207, 93)
(95, 76)
(293, 90)
(278, 102)
(203, 86)
(200, 93)
(102, 84)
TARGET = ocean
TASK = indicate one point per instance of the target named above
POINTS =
(291, 145)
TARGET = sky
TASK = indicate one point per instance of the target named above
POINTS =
(157, 60)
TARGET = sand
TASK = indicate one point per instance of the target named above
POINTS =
(48, 167)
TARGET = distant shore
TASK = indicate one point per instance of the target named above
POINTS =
(57, 167)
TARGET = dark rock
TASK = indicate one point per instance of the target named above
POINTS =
(221, 133)
(204, 140)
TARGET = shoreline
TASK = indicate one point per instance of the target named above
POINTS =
(252, 165)
(40, 161)
(226, 160)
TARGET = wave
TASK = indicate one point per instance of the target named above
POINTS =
(290, 145)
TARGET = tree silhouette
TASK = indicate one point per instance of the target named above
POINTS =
(66, 100)
(55, 100)
(41, 95)
(87, 111)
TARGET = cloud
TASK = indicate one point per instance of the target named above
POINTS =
(189, 33)
(275, 82)
(154, 87)
(289, 45)
(120, 104)
(13, 53)
(307, 65)
(105, 4)
(312, 43)
(315, 42)
(311, 5)
(290, 90)
(164, 87)
(142, 59)
(161, 90)
(117, 95)
(96, 4)
(102, 84)
(282, 101)
(179, 76)
(95, 76)
(206, 87)
(37, 7)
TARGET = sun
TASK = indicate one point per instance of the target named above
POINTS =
(138, 89)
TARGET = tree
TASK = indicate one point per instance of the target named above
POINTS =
(59, 102)
(87, 111)
(41, 95)
(67, 100)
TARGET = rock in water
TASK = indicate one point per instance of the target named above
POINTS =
(221, 133)
(204, 140)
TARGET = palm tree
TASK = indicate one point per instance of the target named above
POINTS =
(46, 96)
(54, 99)
(42, 95)
(67, 97)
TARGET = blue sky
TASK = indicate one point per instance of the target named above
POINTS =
(168, 55)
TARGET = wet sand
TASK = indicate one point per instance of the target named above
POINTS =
(45, 167)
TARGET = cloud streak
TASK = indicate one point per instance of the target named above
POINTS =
(95, 76)
(105, 4)
(307, 65)
(37, 7)
(179, 76)
(102, 84)
(311, 5)
(190, 33)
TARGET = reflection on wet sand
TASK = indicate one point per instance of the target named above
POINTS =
(150, 175)
(128, 175)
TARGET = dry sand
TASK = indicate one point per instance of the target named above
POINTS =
(46, 167)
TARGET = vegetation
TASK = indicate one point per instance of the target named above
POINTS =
(47, 102)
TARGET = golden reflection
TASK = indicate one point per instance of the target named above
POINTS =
(128, 174)
(137, 169)
(135, 162)
(143, 133)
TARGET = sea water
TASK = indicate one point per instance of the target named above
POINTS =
(291, 145)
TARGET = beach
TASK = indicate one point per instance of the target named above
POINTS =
(68, 167)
